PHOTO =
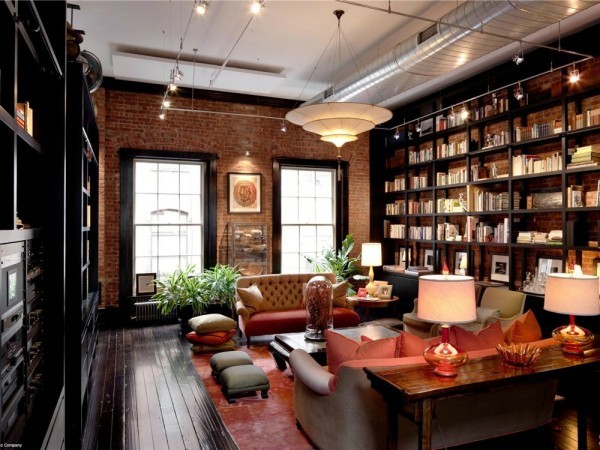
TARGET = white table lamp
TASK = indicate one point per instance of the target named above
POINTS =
(446, 299)
(371, 256)
(575, 295)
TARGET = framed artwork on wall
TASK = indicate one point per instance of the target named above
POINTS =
(144, 284)
(500, 267)
(244, 192)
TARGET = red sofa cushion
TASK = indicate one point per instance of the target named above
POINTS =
(293, 320)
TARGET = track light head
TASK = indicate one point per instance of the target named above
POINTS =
(418, 127)
(166, 103)
(162, 115)
(464, 113)
(256, 6)
(518, 92)
(397, 134)
(283, 127)
(201, 7)
(574, 75)
(518, 58)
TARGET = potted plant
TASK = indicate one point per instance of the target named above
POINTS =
(340, 263)
(183, 290)
(218, 283)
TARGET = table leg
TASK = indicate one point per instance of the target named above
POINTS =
(392, 431)
(425, 425)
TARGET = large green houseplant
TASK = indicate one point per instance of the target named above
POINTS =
(339, 262)
(219, 285)
(181, 289)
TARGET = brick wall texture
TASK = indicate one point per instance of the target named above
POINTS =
(130, 120)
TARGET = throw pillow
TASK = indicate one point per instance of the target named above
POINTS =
(252, 298)
(207, 323)
(485, 338)
(525, 329)
(214, 338)
(339, 294)
(409, 345)
(341, 349)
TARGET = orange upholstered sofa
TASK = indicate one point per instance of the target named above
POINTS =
(273, 304)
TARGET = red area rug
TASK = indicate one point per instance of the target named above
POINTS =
(257, 423)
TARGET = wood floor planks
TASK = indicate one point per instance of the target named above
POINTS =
(153, 399)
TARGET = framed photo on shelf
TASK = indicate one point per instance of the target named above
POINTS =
(426, 127)
(460, 263)
(384, 292)
(244, 192)
(428, 259)
(546, 264)
(362, 292)
(144, 284)
(500, 267)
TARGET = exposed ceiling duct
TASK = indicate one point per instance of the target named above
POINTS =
(471, 31)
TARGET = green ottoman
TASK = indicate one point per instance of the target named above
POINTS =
(244, 379)
(221, 361)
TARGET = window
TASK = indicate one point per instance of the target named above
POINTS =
(168, 219)
(307, 214)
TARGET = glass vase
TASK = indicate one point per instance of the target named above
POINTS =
(319, 308)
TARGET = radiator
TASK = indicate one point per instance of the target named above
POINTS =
(144, 311)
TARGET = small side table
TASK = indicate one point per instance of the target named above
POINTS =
(373, 302)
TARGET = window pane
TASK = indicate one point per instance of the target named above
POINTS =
(289, 263)
(323, 184)
(192, 204)
(307, 208)
(290, 238)
(145, 208)
(168, 178)
(190, 241)
(190, 179)
(143, 265)
(143, 241)
(306, 183)
(289, 210)
(167, 265)
(146, 177)
(289, 183)
(323, 210)
(308, 239)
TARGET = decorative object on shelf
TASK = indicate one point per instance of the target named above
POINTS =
(371, 256)
(428, 259)
(446, 299)
(244, 192)
(460, 263)
(144, 284)
(573, 295)
(319, 308)
(362, 292)
(337, 121)
(500, 268)
(519, 354)
(384, 292)
(445, 270)
(403, 262)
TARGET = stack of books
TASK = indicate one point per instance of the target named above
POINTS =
(524, 237)
(555, 237)
(585, 156)
(417, 270)
(539, 237)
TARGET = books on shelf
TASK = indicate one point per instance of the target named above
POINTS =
(417, 270)
(392, 268)
(584, 156)
(24, 117)
(575, 196)
(529, 164)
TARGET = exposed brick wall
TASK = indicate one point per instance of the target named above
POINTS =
(131, 120)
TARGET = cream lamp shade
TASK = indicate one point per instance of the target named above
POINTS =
(371, 256)
(568, 294)
(447, 299)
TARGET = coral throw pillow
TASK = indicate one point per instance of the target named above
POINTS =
(525, 329)
(409, 345)
(341, 349)
(214, 338)
(339, 294)
(252, 298)
(485, 338)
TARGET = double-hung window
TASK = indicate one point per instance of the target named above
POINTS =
(168, 215)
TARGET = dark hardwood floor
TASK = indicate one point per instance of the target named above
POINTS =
(152, 398)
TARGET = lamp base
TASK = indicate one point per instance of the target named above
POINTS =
(572, 338)
(371, 288)
(445, 358)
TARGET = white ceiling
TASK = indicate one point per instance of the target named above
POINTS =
(277, 53)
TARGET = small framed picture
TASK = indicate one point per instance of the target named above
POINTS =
(384, 292)
(362, 292)
(428, 259)
(144, 284)
(500, 267)
(244, 192)
(546, 264)
(460, 263)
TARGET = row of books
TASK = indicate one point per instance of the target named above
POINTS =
(528, 164)
(420, 232)
(398, 184)
(395, 209)
(496, 139)
(448, 205)
(454, 177)
(417, 182)
(24, 117)
(447, 231)
(452, 149)
(585, 156)
(484, 232)
(588, 119)
(393, 230)
(423, 155)
(420, 206)
(537, 130)
(532, 237)
(484, 200)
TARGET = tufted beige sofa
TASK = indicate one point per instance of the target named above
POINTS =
(283, 311)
